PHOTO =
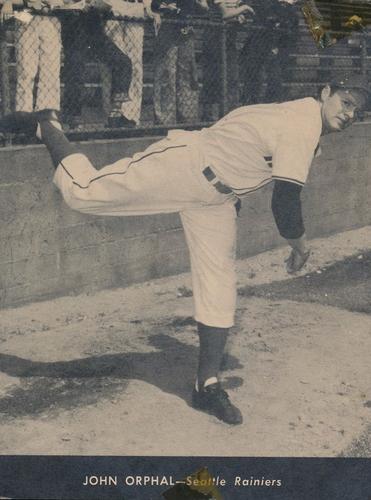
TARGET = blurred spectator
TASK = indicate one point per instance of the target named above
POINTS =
(84, 39)
(38, 52)
(175, 86)
(267, 50)
(128, 38)
(211, 65)
(232, 12)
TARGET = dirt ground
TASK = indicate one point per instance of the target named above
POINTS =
(111, 373)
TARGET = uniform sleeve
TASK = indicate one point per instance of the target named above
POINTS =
(295, 150)
(286, 208)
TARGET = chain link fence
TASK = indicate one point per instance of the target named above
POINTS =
(115, 77)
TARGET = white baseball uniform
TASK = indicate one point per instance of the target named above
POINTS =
(38, 51)
(200, 174)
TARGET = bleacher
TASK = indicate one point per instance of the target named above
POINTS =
(308, 69)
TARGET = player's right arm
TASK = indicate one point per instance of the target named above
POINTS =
(291, 160)
(287, 212)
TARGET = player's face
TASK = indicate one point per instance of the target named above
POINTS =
(341, 108)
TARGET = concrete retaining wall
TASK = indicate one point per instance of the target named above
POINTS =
(47, 250)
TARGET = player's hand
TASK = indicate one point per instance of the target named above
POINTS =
(156, 17)
(248, 9)
(35, 4)
(6, 12)
(296, 260)
(202, 4)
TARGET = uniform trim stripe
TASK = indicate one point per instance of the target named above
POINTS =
(289, 179)
(256, 188)
(238, 192)
(65, 169)
(267, 181)
(123, 173)
(246, 190)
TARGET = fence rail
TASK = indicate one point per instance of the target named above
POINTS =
(112, 77)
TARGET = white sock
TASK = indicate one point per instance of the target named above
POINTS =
(209, 381)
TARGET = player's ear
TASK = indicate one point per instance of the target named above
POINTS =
(325, 93)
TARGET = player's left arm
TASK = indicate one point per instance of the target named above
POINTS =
(287, 212)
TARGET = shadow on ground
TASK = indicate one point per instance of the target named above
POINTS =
(345, 284)
(69, 384)
(360, 447)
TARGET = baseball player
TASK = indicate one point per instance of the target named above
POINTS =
(201, 175)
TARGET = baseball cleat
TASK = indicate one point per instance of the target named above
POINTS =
(23, 122)
(214, 400)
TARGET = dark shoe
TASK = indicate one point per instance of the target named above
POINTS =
(23, 122)
(120, 122)
(215, 401)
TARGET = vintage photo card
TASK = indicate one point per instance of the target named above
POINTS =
(185, 249)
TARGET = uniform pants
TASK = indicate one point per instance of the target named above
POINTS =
(38, 52)
(128, 37)
(167, 177)
(175, 88)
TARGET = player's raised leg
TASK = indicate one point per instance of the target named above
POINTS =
(46, 126)
(211, 238)
(166, 177)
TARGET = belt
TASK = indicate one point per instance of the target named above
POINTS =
(212, 178)
(219, 186)
(268, 160)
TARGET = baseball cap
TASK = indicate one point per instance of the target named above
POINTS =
(349, 82)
